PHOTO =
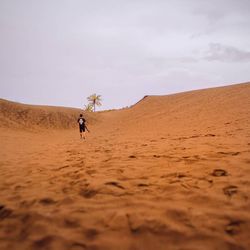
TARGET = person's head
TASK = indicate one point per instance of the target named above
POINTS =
(80, 115)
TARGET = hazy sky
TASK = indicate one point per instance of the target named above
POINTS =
(58, 52)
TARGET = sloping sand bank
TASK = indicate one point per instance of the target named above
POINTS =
(171, 172)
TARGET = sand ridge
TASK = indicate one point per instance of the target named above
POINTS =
(35, 117)
(171, 172)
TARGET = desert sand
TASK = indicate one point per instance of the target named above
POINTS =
(170, 172)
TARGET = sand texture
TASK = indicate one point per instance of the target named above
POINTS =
(171, 172)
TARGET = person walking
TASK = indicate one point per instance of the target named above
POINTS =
(82, 126)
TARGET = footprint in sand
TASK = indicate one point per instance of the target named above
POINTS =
(90, 172)
(47, 201)
(142, 185)
(235, 153)
(43, 243)
(91, 234)
(219, 172)
(60, 168)
(71, 223)
(194, 136)
(132, 156)
(4, 212)
(27, 204)
(228, 153)
(156, 156)
(230, 190)
(78, 246)
(180, 175)
(88, 193)
(115, 184)
(233, 227)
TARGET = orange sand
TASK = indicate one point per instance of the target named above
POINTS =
(171, 172)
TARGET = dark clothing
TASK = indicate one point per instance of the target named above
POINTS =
(81, 122)
(81, 128)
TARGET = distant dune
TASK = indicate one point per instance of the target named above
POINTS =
(207, 102)
(170, 172)
(19, 115)
(152, 112)
(208, 109)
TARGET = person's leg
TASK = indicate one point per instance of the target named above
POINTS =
(80, 128)
(84, 135)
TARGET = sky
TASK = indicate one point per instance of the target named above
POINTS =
(58, 52)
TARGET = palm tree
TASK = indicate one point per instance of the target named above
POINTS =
(88, 107)
(95, 100)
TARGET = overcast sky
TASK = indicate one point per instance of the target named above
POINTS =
(58, 52)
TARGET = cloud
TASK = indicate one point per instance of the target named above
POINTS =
(221, 17)
(224, 53)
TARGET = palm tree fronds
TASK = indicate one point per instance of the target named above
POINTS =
(94, 100)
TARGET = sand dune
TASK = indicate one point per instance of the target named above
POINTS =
(171, 172)
(33, 117)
